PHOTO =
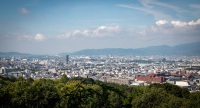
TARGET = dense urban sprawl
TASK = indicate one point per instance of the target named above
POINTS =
(130, 70)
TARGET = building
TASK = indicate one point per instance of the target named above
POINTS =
(3, 70)
(118, 80)
(67, 59)
(154, 78)
(53, 70)
(182, 83)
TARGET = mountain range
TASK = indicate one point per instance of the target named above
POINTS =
(2, 54)
(188, 49)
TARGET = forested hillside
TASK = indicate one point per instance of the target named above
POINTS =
(87, 93)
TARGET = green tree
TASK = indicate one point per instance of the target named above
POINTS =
(42, 93)
(64, 78)
(5, 97)
(195, 99)
(173, 89)
(150, 98)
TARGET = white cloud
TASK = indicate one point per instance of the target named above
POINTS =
(194, 22)
(178, 23)
(39, 37)
(101, 31)
(161, 22)
(24, 11)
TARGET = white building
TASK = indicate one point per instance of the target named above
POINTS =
(182, 83)
(53, 70)
(3, 70)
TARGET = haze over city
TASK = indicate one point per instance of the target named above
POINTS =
(55, 26)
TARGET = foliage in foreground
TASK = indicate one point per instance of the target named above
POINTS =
(87, 93)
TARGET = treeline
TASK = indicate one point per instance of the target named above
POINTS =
(87, 93)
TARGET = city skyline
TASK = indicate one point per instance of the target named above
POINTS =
(51, 27)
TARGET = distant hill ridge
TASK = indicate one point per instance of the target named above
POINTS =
(9, 54)
(14, 53)
(188, 49)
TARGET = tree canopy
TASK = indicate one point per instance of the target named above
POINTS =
(88, 93)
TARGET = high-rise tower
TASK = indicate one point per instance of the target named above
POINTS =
(67, 59)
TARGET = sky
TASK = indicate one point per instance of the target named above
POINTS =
(55, 26)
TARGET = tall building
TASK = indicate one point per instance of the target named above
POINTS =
(67, 59)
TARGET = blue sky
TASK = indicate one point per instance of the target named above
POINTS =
(54, 26)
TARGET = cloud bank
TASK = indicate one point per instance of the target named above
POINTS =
(161, 28)
(178, 23)
(101, 31)
(175, 28)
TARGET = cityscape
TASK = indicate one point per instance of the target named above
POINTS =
(99, 54)
(183, 71)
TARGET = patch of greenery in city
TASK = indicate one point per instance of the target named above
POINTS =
(88, 93)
